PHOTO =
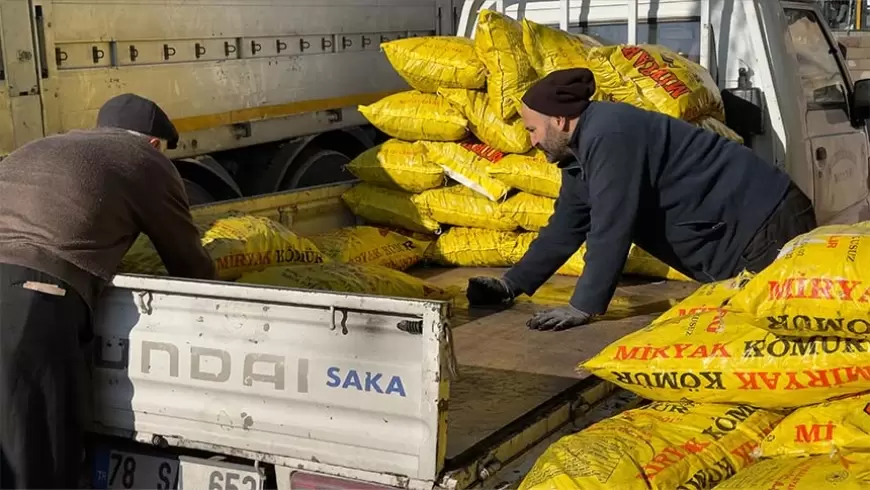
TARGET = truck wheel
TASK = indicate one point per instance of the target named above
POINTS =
(316, 167)
(196, 194)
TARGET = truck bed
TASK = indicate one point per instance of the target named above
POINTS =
(290, 377)
(507, 370)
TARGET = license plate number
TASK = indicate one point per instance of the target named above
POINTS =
(115, 469)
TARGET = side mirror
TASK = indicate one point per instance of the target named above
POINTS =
(861, 102)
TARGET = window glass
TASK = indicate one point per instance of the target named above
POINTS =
(822, 81)
(684, 37)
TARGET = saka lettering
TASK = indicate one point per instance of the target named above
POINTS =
(852, 253)
(252, 259)
(370, 384)
(821, 325)
(671, 455)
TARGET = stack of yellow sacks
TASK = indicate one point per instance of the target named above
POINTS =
(775, 366)
(460, 164)
(258, 250)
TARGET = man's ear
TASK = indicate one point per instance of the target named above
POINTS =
(564, 123)
(155, 142)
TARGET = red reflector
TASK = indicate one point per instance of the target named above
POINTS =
(311, 481)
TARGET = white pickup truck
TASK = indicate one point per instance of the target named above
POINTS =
(226, 386)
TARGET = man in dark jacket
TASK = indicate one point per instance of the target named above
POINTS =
(70, 208)
(704, 205)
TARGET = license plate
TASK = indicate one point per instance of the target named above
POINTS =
(114, 469)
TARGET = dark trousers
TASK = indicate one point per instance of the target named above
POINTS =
(794, 216)
(44, 380)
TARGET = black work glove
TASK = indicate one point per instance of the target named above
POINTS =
(489, 291)
(558, 319)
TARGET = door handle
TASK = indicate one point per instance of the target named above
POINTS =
(821, 153)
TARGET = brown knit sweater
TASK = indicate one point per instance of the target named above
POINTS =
(72, 205)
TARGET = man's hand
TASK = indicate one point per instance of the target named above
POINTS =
(489, 291)
(558, 319)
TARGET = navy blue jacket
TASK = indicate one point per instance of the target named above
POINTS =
(688, 196)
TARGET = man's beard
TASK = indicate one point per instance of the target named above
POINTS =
(554, 149)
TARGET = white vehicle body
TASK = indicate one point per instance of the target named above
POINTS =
(304, 383)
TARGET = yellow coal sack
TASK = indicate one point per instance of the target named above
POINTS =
(641, 263)
(460, 206)
(428, 63)
(708, 357)
(531, 212)
(241, 244)
(413, 116)
(718, 127)
(388, 207)
(530, 172)
(485, 123)
(675, 85)
(662, 445)
(466, 167)
(372, 246)
(142, 258)
(816, 473)
(819, 285)
(552, 49)
(841, 426)
(471, 247)
(515, 250)
(399, 165)
(498, 42)
(713, 296)
(348, 278)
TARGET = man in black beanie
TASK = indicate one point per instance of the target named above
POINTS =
(71, 207)
(703, 204)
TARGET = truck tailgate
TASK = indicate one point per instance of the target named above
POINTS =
(276, 375)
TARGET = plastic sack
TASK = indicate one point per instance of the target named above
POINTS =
(718, 127)
(372, 246)
(819, 285)
(641, 263)
(514, 252)
(460, 206)
(530, 172)
(428, 63)
(388, 207)
(399, 165)
(413, 116)
(142, 258)
(484, 123)
(815, 473)
(712, 358)
(663, 445)
(712, 296)
(241, 244)
(467, 168)
(841, 426)
(498, 42)
(674, 85)
(531, 212)
(348, 278)
(552, 49)
(471, 247)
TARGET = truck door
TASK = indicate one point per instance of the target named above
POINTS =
(837, 150)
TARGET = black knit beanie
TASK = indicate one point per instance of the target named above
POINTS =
(563, 93)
